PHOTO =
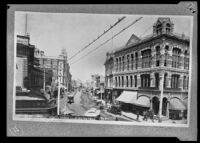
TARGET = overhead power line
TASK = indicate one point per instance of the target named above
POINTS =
(119, 20)
(107, 40)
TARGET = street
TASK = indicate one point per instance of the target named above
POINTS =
(82, 102)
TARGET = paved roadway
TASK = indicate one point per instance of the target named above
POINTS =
(82, 102)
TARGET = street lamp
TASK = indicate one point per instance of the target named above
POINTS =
(44, 79)
(58, 105)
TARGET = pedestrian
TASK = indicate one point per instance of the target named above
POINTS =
(116, 119)
(151, 115)
(145, 115)
(138, 115)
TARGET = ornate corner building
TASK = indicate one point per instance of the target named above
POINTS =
(155, 69)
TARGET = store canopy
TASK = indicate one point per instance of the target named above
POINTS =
(176, 104)
(185, 102)
(128, 97)
(142, 101)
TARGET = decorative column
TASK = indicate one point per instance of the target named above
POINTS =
(181, 60)
(180, 83)
(162, 54)
(153, 55)
(168, 84)
(169, 62)
(139, 60)
(138, 80)
(152, 78)
(161, 77)
(133, 80)
(167, 108)
(151, 104)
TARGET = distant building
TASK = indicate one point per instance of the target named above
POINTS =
(59, 65)
(136, 74)
(32, 75)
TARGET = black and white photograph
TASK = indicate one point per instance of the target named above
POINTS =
(102, 68)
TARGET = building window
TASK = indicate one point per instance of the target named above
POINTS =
(166, 55)
(176, 57)
(127, 62)
(116, 82)
(146, 58)
(131, 61)
(165, 80)
(116, 64)
(168, 28)
(122, 81)
(131, 78)
(175, 81)
(186, 60)
(156, 79)
(159, 28)
(126, 81)
(135, 80)
(119, 81)
(158, 56)
(145, 80)
(122, 63)
(184, 83)
(136, 60)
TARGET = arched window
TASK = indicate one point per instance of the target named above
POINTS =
(186, 60)
(159, 28)
(165, 80)
(116, 83)
(156, 79)
(176, 57)
(116, 64)
(127, 62)
(166, 55)
(136, 60)
(175, 81)
(158, 56)
(145, 80)
(184, 83)
(122, 63)
(122, 81)
(127, 81)
(146, 58)
(119, 81)
(132, 61)
(131, 78)
(135, 80)
(168, 27)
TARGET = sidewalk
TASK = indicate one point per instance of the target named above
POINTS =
(164, 120)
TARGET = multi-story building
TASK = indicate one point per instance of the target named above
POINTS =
(25, 63)
(59, 66)
(152, 72)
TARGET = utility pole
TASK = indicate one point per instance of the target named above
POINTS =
(161, 96)
(58, 105)
(44, 79)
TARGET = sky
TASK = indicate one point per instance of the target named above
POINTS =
(52, 32)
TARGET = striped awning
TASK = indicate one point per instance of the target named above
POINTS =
(128, 97)
(176, 104)
(142, 101)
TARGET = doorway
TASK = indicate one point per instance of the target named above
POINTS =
(155, 105)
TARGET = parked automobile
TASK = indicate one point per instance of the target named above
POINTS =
(114, 109)
(93, 112)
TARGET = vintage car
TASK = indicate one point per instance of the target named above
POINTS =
(93, 112)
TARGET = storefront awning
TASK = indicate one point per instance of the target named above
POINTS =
(176, 104)
(142, 101)
(185, 102)
(128, 97)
